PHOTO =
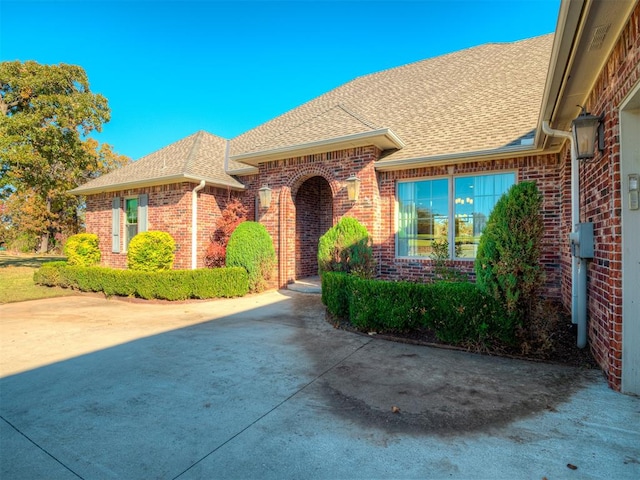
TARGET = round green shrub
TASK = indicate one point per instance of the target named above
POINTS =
(82, 249)
(507, 264)
(346, 247)
(151, 251)
(250, 246)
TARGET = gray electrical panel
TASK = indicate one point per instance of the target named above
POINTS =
(581, 239)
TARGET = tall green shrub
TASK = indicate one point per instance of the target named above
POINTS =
(82, 249)
(346, 247)
(507, 264)
(250, 246)
(151, 251)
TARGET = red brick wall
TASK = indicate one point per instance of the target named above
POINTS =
(542, 169)
(169, 210)
(285, 178)
(600, 203)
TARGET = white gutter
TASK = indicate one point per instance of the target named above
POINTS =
(474, 156)
(114, 187)
(194, 224)
(576, 263)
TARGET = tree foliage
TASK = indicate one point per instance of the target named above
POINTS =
(46, 115)
(233, 214)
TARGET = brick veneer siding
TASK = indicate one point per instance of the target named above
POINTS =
(544, 170)
(601, 203)
(169, 210)
(296, 190)
(286, 177)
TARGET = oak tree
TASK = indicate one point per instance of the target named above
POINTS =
(47, 113)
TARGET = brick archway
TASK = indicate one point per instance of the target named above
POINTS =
(313, 201)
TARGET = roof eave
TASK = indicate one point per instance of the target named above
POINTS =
(461, 157)
(243, 171)
(383, 138)
(576, 63)
(152, 182)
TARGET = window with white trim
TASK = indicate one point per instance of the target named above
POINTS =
(427, 208)
(135, 219)
(131, 220)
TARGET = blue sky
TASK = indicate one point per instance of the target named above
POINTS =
(171, 68)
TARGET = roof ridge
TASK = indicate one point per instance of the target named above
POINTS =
(193, 152)
(358, 117)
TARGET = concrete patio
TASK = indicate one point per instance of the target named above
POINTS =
(263, 387)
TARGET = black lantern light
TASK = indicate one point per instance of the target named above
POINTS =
(264, 194)
(585, 129)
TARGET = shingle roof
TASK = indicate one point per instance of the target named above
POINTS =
(197, 157)
(481, 98)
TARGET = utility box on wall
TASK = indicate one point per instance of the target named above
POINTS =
(581, 239)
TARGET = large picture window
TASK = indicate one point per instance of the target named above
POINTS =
(426, 209)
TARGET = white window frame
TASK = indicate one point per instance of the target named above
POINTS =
(451, 207)
(125, 224)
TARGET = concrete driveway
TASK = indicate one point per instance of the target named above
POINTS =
(263, 387)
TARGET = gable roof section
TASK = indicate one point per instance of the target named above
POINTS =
(485, 98)
(200, 156)
(330, 129)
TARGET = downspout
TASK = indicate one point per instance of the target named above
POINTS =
(578, 265)
(194, 224)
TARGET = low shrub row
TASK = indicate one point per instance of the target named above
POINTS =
(165, 285)
(457, 312)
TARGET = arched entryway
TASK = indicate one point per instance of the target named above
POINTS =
(314, 216)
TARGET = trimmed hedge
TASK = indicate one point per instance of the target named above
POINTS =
(458, 313)
(165, 285)
(82, 249)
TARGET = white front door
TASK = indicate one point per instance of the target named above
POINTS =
(629, 168)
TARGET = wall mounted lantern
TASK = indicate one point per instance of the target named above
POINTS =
(264, 193)
(353, 188)
(585, 129)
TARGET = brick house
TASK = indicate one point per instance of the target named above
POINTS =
(433, 145)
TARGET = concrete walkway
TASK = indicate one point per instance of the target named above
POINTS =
(306, 285)
(263, 387)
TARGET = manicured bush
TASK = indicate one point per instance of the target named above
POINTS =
(251, 247)
(346, 247)
(166, 285)
(507, 264)
(151, 251)
(461, 314)
(82, 249)
(457, 312)
(388, 306)
(49, 274)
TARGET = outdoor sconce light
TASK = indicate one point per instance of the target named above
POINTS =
(264, 193)
(353, 188)
(585, 128)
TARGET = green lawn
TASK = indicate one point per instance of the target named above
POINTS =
(16, 278)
